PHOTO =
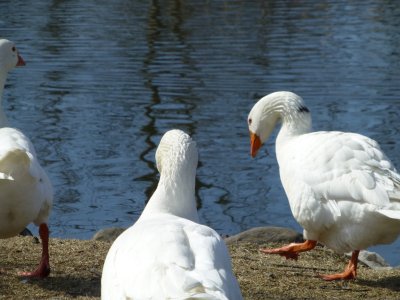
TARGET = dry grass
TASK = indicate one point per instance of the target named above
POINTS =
(273, 277)
(77, 265)
(76, 269)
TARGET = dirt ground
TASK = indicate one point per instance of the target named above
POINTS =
(77, 265)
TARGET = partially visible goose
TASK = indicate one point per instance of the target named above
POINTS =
(166, 254)
(25, 190)
(342, 189)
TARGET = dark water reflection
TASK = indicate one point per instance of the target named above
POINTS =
(105, 79)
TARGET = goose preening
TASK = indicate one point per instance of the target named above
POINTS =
(167, 254)
(341, 187)
(25, 190)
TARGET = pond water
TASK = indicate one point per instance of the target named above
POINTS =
(105, 79)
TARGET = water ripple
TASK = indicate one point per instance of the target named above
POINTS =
(104, 80)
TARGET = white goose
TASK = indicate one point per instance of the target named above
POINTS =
(166, 254)
(341, 187)
(25, 190)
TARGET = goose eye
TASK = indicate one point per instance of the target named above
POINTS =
(250, 120)
(13, 49)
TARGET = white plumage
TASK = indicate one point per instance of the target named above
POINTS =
(26, 193)
(342, 189)
(25, 189)
(166, 254)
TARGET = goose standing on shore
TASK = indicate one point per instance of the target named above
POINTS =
(342, 189)
(166, 254)
(26, 193)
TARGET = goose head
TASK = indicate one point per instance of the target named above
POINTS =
(176, 159)
(9, 56)
(285, 107)
(176, 154)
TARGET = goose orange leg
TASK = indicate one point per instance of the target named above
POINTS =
(291, 251)
(43, 270)
(349, 272)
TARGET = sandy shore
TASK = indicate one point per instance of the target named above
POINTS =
(77, 265)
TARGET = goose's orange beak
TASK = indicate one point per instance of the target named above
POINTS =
(21, 61)
(255, 144)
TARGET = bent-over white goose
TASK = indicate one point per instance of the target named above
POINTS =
(26, 193)
(342, 189)
(166, 254)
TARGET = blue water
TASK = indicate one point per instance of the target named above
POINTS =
(105, 79)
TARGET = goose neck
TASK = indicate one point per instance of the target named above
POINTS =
(176, 196)
(3, 117)
(296, 119)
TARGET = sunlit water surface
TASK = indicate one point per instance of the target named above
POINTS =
(105, 79)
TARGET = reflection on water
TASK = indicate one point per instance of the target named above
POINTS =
(104, 80)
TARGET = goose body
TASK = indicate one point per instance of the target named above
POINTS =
(26, 193)
(342, 189)
(25, 189)
(167, 254)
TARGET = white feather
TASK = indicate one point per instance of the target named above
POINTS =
(26, 193)
(341, 187)
(166, 254)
